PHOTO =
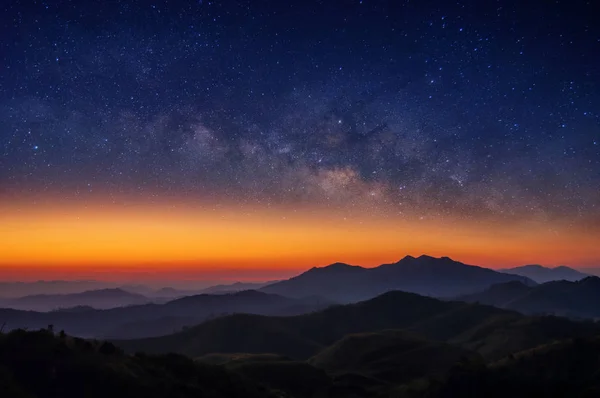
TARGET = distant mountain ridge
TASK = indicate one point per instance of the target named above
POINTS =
(21, 289)
(158, 319)
(425, 275)
(541, 274)
(173, 293)
(469, 326)
(562, 298)
(98, 299)
(235, 287)
(10, 290)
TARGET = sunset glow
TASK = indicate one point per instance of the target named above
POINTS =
(254, 141)
(192, 241)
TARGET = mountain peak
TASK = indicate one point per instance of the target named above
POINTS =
(564, 268)
(423, 258)
(337, 267)
(533, 266)
(543, 274)
(338, 264)
(426, 257)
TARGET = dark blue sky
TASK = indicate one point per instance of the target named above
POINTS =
(473, 109)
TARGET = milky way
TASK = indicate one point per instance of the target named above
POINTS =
(464, 109)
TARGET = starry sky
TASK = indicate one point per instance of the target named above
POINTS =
(279, 134)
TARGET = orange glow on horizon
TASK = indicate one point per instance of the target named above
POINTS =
(160, 239)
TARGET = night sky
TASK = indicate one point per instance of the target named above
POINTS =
(470, 112)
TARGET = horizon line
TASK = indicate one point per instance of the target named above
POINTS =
(146, 273)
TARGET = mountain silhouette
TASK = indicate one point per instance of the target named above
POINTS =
(159, 319)
(562, 298)
(476, 327)
(541, 274)
(173, 293)
(52, 287)
(98, 299)
(425, 275)
(234, 287)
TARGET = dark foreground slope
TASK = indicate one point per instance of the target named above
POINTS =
(390, 355)
(569, 368)
(562, 298)
(490, 331)
(383, 364)
(40, 365)
(296, 378)
(396, 364)
(366, 365)
(425, 275)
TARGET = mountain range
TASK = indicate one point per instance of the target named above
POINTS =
(120, 314)
(436, 277)
(541, 274)
(235, 287)
(12, 290)
(562, 298)
(396, 344)
(170, 292)
(425, 275)
(21, 289)
(470, 326)
(98, 299)
(158, 319)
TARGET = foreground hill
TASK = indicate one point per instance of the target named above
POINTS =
(383, 364)
(571, 299)
(98, 299)
(158, 319)
(436, 277)
(296, 378)
(569, 368)
(490, 331)
(397, 364)
(390, 355)
(358, 365)
(40, 365)
(542, 274)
